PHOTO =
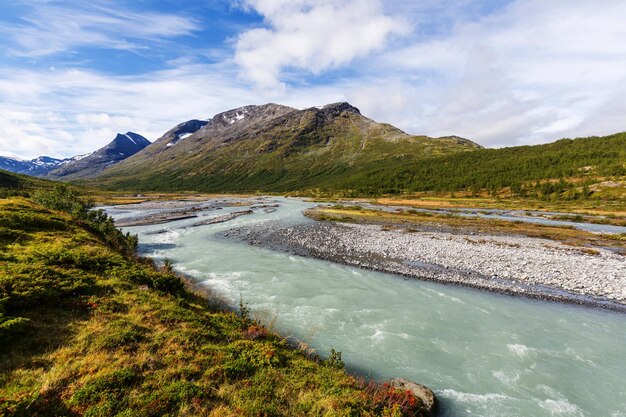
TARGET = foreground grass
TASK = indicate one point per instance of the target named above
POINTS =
(87, 331)
(406, 218)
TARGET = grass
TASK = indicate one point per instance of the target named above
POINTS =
(408, 218)
(99, 333)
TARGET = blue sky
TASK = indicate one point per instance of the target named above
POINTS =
(499, 72)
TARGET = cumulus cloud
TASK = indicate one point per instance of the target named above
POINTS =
(527, 73)
(312, 35)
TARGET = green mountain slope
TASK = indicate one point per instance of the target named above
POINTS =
(577, 162)
(19, 184)
(274, 148)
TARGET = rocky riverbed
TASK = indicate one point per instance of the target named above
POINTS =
(517, 265)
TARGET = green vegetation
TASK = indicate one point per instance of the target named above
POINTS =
(344, 159)
(87, 328)
(12, 184)
(563, 169)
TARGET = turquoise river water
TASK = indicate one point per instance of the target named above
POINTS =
(483, 354)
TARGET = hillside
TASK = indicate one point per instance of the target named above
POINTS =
(579, 163)
(120, 148)
(86, 328)
(12, 184)
(273, 148)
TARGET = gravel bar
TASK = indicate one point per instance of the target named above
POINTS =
(515, 265)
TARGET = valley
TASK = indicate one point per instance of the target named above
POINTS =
(395, 325)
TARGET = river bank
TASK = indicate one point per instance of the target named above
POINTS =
(515, 265)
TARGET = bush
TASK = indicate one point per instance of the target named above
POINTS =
(32, 284)
(120, 334)
(10, 326)
(142, 275)
(244, 357)
(64, 198)
(334, 360)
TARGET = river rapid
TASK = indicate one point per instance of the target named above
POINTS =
(483, 354)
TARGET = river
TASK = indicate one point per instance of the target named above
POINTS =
(483, 354)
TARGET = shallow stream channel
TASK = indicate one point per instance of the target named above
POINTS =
(484, 354)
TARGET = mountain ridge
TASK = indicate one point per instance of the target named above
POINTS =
(271, 147)
(120, 148)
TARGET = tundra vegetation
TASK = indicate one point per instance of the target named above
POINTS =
(89, 328)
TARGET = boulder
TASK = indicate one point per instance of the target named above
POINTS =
(421, 392)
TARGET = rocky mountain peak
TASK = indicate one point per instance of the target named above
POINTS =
(120, 148)
(338, 108)
(248, 114)
(130, 139)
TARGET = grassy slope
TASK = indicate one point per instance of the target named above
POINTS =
(108, 335)
(591, 159)
(11, 183)
(292, 153)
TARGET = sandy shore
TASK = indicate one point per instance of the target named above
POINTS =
(515, 265)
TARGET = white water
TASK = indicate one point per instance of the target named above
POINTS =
(484, 354)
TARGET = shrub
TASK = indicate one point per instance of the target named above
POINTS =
(120, 334)
(107, 395)
(10, 326)
(31, 284)
(244, 357)
(142, 275)
(334, 360)
(64, 198)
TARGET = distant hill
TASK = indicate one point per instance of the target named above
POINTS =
(576, 162)
(273, 148)
(120, 148)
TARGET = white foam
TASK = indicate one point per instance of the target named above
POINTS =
(467, 397)
(560, 408)
(521, 351)
(506, 378)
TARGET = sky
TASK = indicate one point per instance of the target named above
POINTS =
(499, 72)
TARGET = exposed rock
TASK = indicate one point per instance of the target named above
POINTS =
(419, 391)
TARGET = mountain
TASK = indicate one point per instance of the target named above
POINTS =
(274, 148)
(85, 166)
(36, 167)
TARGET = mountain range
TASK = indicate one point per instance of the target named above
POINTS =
(276, 148)
(273, 148)
(80, 166)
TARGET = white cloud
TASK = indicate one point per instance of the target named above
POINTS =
(51, 28)
(90, 108)
(533, 72)
(312, 35)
